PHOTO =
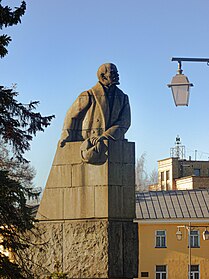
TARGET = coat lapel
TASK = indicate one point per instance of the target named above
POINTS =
(116, 105)
(102, 102)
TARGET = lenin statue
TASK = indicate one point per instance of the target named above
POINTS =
(100, 113)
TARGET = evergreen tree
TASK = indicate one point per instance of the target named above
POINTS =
(22, 172)
(15, 220)
(18, 124)
(9, 17)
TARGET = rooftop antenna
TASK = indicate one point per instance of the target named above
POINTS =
(179, 150)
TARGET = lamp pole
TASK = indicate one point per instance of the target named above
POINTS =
(190, 254)
(179, 237)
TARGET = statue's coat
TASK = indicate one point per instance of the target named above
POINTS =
(90, 115)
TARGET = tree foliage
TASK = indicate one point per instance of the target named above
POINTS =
(21, 172)
(19, 123)
(16, 184)
(15, 219)
(9, 17)
(141, 174)
(153, 177)
(143, 179)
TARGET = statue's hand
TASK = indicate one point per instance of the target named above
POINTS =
(95, 140)
(62, 143)
(65, 139)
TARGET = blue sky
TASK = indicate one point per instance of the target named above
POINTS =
(56, 51)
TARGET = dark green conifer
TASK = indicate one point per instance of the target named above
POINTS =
(18, 124)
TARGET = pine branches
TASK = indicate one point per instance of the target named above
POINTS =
(15, 219)
(4, 42)
(9, 17)
(18, 122)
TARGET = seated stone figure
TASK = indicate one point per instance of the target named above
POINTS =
(103, 112)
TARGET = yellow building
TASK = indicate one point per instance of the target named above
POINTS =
(162, 214)
(181, 174)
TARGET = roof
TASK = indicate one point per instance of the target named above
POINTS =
(172, 204)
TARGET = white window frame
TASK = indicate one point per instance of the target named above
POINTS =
(192, 273)
(162, 239)
(194, 239)
(161, 273)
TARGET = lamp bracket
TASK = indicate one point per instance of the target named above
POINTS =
(187, 59)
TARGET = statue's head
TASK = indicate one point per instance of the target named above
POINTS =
(108, 74)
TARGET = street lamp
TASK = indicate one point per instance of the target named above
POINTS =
(179, 234)
(205, 234)
(180, 84)
(188, 228)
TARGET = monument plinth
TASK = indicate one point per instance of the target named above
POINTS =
(86, 214)
(77, 190)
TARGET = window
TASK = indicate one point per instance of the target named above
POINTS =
(161, 272)
(162, 176)
(168, 184)
(195, 272)
(167, 175)
(194, 239)
(160, 239)
(197, 172)
(144, 274)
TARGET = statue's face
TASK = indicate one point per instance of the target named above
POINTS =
(111, 76)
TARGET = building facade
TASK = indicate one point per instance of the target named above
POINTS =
(181, 174)
(161, 216)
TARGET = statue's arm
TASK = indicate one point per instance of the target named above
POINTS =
(75, 113)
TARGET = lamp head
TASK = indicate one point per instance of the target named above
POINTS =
(180, 87)
(179, 235)
(205, 234)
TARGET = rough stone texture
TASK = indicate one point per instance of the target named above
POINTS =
(85, 252)
(46, 252)
(87, 249)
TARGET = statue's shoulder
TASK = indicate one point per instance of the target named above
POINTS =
(120, 93)
(97, 87)
(85, 97)
(85, 93)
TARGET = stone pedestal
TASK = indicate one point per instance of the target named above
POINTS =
(86, 214)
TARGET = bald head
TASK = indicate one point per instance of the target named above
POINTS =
(108, 74)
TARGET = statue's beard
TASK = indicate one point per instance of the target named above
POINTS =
(115, 81)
